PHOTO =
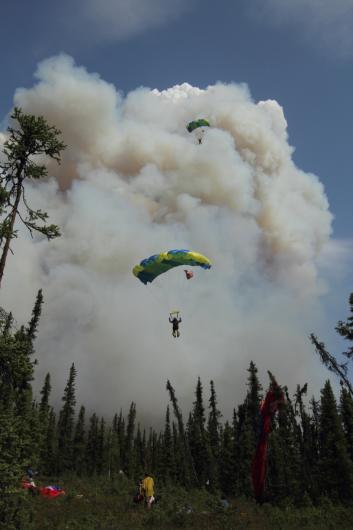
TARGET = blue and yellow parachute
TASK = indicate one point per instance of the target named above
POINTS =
(157, 264)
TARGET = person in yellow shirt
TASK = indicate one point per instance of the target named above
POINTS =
(148, 488)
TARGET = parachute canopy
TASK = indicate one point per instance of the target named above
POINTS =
(197, 123)
(157, 264)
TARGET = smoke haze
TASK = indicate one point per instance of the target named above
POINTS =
(133, 182)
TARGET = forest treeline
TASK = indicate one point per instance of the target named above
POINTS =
(310, 446)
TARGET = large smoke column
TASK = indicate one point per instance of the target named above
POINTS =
(134, 182)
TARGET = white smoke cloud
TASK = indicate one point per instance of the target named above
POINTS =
(134, 182)
(325, 24)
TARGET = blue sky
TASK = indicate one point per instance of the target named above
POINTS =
(298, 58)
(299, 53)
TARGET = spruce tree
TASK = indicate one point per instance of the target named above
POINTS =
(79, 443)
(308, 446)
(102, 455)
(336, 472)
(168, 460)
(198, 440)
(139, 452)
(48, 463)
(66, 423)
(248, 426)
(44, 410)
(91, 453)
(32, 327)
(345, 329)
(114, 449)
(284, 462)
(28, 137)
(44, 406)
(227, 461)
(129, 463)
(214, 422)
(120, 430)
(346, 409)
(19, 423)
(187, 473)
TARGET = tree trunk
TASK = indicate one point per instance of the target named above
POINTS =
(12, 222)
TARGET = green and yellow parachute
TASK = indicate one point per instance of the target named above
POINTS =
(196, 124)
(157, 264)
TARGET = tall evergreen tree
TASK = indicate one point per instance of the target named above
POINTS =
(139, 452)
(19, 425)
(187, 474)
(345, 329)
(248, 425)
(284, 464)
(32, 327)
(114, 449)
(227, 460)
(214, 422)
(48, 464)
(335, 465)
(102, 453)
(79, 443)
(346, 409)
(129, 463)
(29, 136)
(44, 411)
(168, 459)
(44, 406)
(308, 446)
(66, 423)
(198, 440)
(91, 454)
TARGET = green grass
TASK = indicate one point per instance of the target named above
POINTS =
(98, 504)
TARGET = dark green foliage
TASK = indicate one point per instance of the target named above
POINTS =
(214, 422)
(167, 467)
(198, 440)
(19, 415)
(247, 432)
(79, 443)
(186, 469)
(114, 449)
(48, 458)
(345, 329)
(346, 409)
(28, 137)
(227, 469)
(284, 469)
(32, 328)
(92, 445)
(66, 423)
(129, 461)
(139, 453)
(336, 472)
(307, 437)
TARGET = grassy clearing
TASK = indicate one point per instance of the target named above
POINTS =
(102, 505)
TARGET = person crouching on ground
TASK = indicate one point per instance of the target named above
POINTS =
(148, 488)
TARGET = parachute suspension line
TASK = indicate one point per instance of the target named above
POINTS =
(149, 270)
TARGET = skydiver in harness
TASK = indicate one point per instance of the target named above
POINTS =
(175, 321)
